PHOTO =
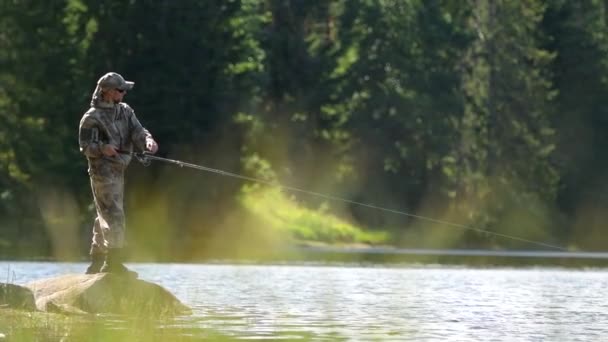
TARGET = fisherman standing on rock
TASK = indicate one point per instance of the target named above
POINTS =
(106, 129)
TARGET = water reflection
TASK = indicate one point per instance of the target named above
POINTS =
(374, 303)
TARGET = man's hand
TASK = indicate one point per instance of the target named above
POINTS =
(109, 150)
(151, 145)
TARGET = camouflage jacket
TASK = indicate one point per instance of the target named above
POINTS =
(109, 123)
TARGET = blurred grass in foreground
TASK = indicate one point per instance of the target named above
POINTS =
(19, 325)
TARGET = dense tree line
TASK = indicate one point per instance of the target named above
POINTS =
(486, 113)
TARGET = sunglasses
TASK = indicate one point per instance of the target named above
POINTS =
(121, 90)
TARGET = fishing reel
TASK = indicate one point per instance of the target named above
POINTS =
(142, 157)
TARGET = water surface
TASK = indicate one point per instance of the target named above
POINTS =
(376, 302)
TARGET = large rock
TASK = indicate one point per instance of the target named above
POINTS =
(105, 293)
(16, 297)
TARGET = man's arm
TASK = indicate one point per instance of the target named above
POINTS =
(140, 136)
(89, 141)
(88, 137)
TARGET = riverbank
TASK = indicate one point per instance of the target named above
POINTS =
(274, 210)
(19, 325)
(270, 226)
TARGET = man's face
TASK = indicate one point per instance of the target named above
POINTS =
(116, 95)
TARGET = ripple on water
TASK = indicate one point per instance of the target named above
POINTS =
(367, 303)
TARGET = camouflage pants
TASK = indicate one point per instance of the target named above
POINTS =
(109, 226)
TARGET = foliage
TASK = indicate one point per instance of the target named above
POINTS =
(476, 112)
(281, 213)
(19, 325)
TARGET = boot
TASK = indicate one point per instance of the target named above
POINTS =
(113, 264)
(97, 260)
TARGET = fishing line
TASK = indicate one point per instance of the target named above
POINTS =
(145, 158)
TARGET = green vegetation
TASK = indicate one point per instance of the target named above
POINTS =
(485, 113)
(280, 213)
(21, 326)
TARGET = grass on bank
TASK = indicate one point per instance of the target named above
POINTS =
(19, 325)
(281, 213)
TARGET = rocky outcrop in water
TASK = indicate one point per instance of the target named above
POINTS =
(103, 293)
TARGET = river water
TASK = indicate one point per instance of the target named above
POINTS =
(376, 302)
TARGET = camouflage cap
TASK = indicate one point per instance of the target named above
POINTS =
(113, 80)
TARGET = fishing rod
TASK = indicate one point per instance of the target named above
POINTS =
(145, 158)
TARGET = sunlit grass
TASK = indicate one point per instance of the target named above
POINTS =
(19, 325)
(282, 214)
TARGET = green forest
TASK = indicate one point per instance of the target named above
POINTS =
(486, 114)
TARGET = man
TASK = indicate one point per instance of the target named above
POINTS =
(106, 130)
